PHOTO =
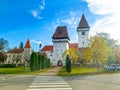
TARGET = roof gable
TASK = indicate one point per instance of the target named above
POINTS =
(16, 50)
(27, 45)
(61, 33)
(47, 48)
(73, 46)
(83, 23)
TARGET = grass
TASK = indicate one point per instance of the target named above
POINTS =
(76, 70)
(20, 70)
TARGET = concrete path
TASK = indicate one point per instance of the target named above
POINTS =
(52, 72)
(49, 81)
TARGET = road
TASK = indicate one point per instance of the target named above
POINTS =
(94, 82)
(15, 82)
(88, 82)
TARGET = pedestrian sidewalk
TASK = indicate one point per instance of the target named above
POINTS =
(52, 72)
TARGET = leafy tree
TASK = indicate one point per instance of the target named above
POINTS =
(86, 54)
(21, 45)
(100, 50)
(68, 64)
(2, 57)
(3, 44)
(73, 54)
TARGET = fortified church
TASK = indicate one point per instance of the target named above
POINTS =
(61, 42)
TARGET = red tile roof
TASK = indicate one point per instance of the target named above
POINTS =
(27, 45)
(16, 50)
(61, 33)
(47, 48)
(50, 48)
(83, 23)
(73, 46)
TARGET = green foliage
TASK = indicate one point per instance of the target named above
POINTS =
(7, 65)
(21, 45)
(48, 62)
(100, 50)
(73, 54)
(36, 61)
(68, 64)
(32, 63)
(42, 63)
(39, 61)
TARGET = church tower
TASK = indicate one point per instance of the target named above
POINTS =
(60, 44)
(27, 50)
(83, 33)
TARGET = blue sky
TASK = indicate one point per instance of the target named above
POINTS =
(38, 19)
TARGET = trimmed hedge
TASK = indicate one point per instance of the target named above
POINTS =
(7, 65)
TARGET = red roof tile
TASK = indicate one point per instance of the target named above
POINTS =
(61, 33)
(83, 23)
(73, 46)
(27, 45)
(47, 48)
(16, 50)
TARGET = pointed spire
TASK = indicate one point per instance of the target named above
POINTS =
(27, 45)
(83, 23)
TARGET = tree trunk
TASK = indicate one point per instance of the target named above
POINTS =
(98, 67)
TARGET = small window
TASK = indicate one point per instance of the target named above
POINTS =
(83, 33)
(83, 43)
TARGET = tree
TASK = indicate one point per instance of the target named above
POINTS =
(21, 45)
(86, 54)
(68, 64)
(39, 61)
(36, 61)
(48, 62)
(42, 62)
(100, 50)
(72, 53)
(32, 61)
(2, 57)
(3, 44)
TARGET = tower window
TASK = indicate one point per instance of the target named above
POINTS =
(83, 43)
(83, 33)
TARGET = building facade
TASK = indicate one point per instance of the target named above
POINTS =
(19, 55)
(61, 42)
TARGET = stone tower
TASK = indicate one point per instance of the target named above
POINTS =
(60, 44)
(27, 50)
(83, 33)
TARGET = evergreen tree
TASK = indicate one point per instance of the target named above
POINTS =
(42, 63)
(68, 64)
(36, 61)
(48, 62)
(39, 60)
(32, 62)
(21, 45)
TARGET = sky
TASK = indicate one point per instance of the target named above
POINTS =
(37, 20)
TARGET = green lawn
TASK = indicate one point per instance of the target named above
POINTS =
(20, 70)
(76, 70)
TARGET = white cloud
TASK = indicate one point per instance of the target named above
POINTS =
(37, 12)
(72, 20)
(36, 42)
(110, 21)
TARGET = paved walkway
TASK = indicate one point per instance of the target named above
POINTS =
(52, 72)
(49, 81)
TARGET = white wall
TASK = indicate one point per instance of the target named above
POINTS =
(58, 49)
